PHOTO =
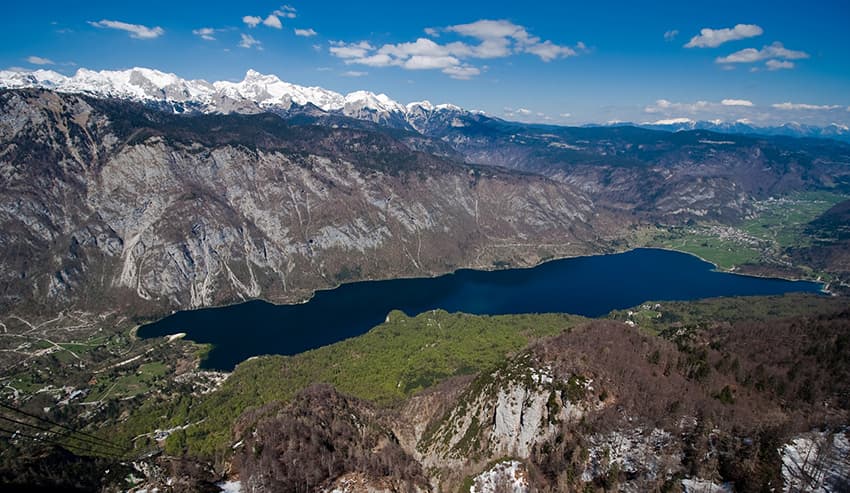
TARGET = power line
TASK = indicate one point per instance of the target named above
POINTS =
(67, 435)
(48, 441)
(72, 430)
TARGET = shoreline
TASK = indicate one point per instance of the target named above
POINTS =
(729, 271)
(314, 292)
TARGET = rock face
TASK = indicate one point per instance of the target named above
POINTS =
(110, 201)
(504, 414)
(817, 461)
(508, 476)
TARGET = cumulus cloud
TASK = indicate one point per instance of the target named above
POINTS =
(671, 35)
(273, 21)
(803, 106)
(37, 60)
(137, 31)
(354, 73)
(252, 20)
(501, 37)
(779, 64)
(712, 38)
(426, 62)
(341, 49)
(736, 102)
(465, 72)
(206, 33)
(548, 51)
(494, 39)
(248, 41)
(664, 106)
(751, 55)
(307, 33)
(286, 11)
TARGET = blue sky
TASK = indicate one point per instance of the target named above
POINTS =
(561, 62)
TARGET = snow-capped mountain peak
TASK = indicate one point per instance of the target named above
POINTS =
(255, 92)
(41, 78)
(270, 91)
(420, 106)
(371, 101)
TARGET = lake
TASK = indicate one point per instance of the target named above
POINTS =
(589, 286)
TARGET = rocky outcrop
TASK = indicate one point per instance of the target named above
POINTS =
(817, 461)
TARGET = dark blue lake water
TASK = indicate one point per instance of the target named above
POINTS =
(589, 286)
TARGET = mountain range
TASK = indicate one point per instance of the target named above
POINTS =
(255, 93)
(790, 129)
(268, 93)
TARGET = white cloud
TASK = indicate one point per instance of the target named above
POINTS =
(671, 35)
(354, 73)
(252, 20)
(37, 60)
(495, 39)
(664, 106)
(712, 38)
(137, 31)
(286, 11)
(341, 49)
(490, 29)
(779, 64)
(750, 55)
(305, 32)
(548, 51)
(565, 115)
(433, 32)
(465, 72)
(206, 33)
(248, 41)
(426, 62)
(273, 21)
(499, 38)
(736, 102)
(803, 106)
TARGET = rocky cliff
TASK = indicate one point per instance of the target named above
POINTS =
(107, 202)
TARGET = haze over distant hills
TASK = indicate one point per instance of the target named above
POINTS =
(791, 129)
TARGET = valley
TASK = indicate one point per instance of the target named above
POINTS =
(122, 205)
(765, 237)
